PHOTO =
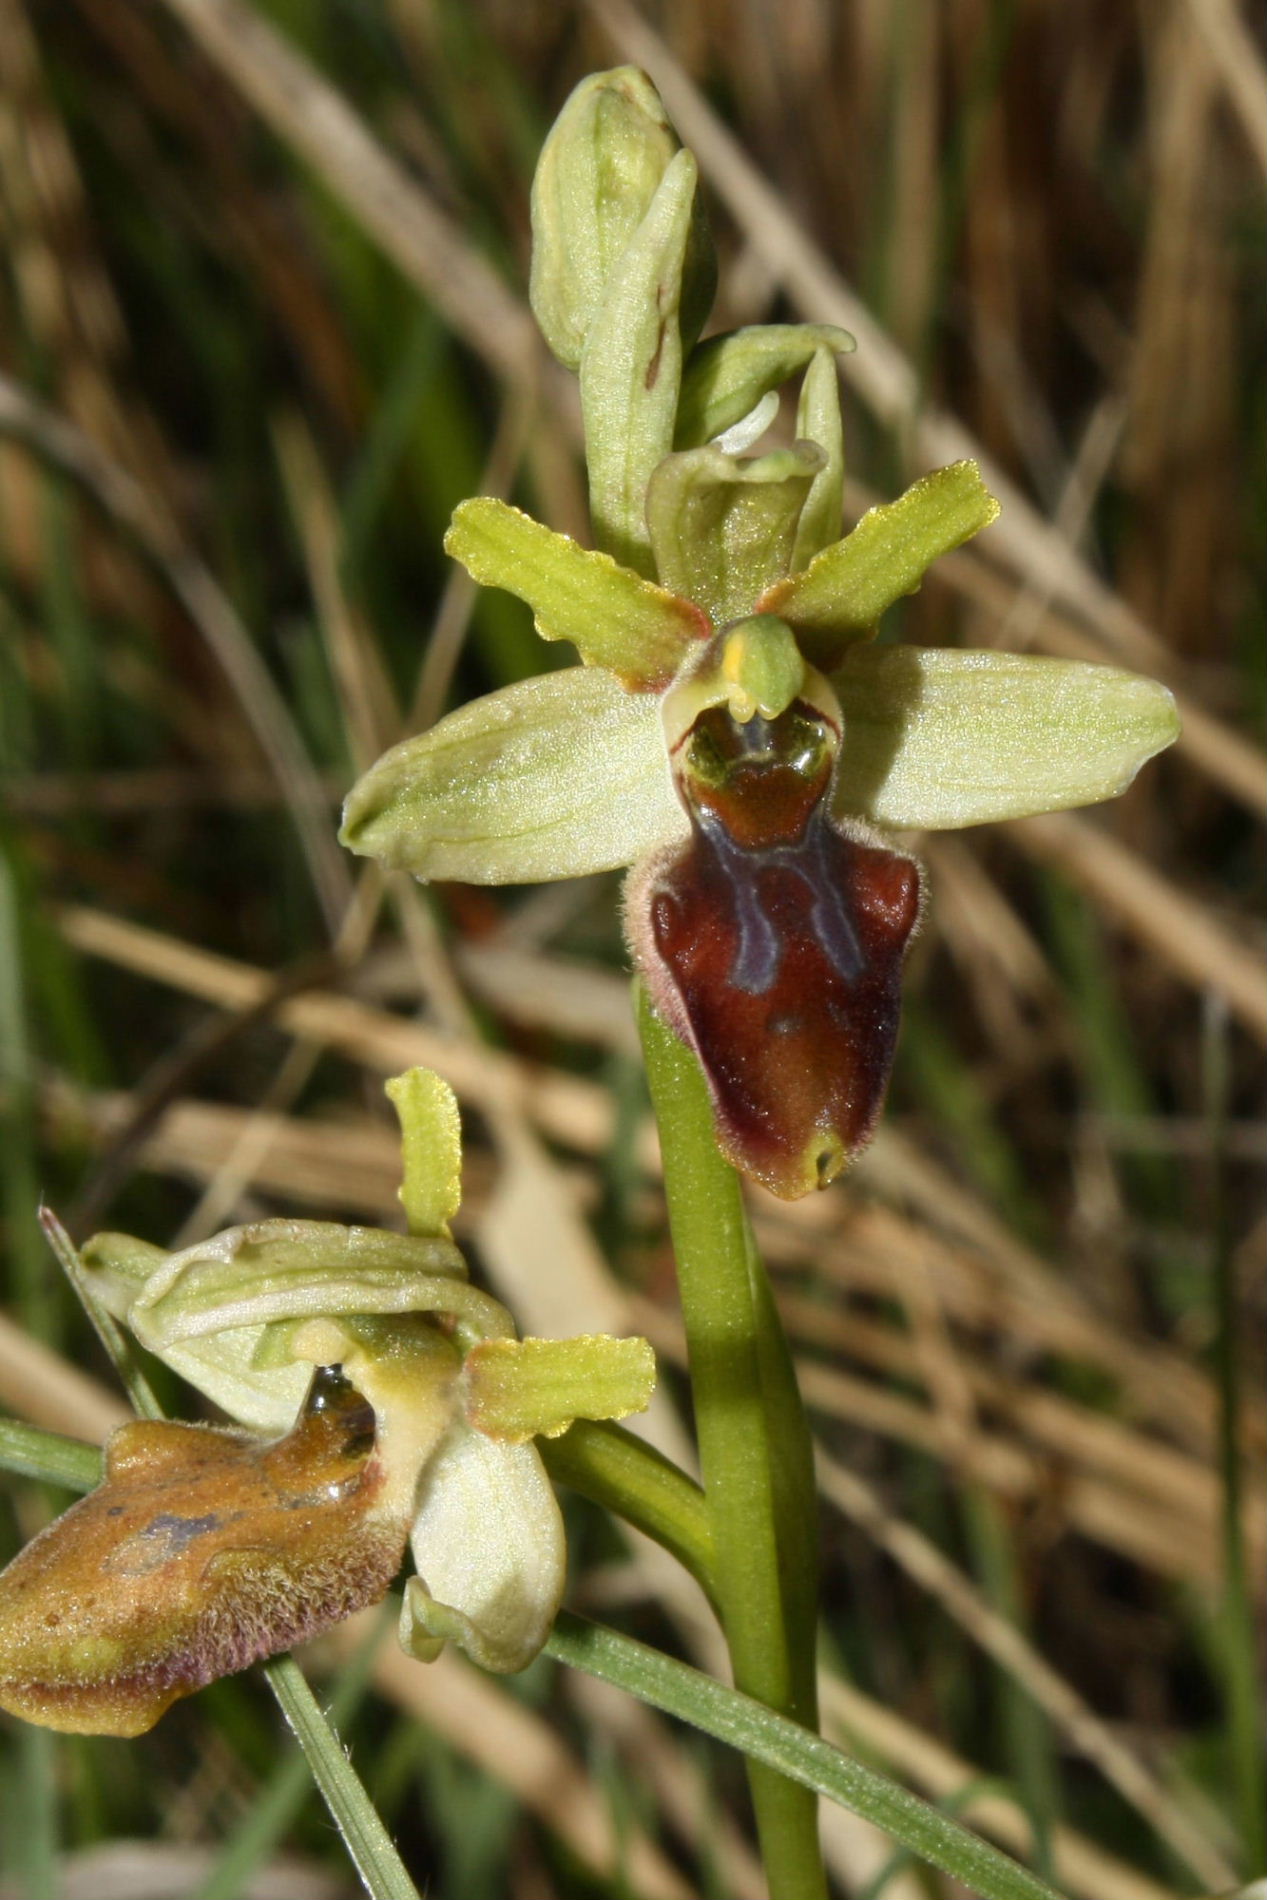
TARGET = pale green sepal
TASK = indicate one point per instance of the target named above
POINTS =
(818, 420)
(487, 1541)
(247, 1372)
(723, 529)
(297, 1269)
(553, 777)
(843, 592)
(631, 370)
(119, 1266)
(726, 376)
(430, 1149)
(597, 174)
(937, 738)
(517, 1388)
(612, 616)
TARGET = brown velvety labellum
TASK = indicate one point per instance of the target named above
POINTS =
(776, 949)
(202, 1550)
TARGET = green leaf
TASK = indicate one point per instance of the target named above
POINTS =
(357, 1819)
(726, 376)
(611, 615)
(724, 528)
(939, 737)
(553, 777)
(818, 420)
(797, 1752)
(631, 370)
(843, 592)
(431, 1149)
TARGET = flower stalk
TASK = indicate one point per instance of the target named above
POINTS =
(754, 1448)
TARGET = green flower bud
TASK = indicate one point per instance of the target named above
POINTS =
(598, 172)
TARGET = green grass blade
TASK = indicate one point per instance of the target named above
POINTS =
(354, 1814)
(677, 1689)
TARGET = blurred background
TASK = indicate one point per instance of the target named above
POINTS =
(262, 323)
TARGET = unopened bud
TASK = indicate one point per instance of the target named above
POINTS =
(599, 169)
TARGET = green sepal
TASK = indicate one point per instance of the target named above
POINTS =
(631, 369)
(228, 1311)
(118, 1266)
(430, 1149)
(723, 527)
(611, 615)
(288, 1269)
(553, 777)
(818, 420)
(726, 376)
(843, 592)
(517, 1388)
(250, 1373)
(936, 738)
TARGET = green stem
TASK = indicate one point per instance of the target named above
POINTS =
(754, 1447)
(611, 1467)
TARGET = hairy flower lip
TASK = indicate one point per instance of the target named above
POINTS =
(202, 1550)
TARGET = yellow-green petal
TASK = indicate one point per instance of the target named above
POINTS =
(611, 615)
(517, 1388)
(841, 595)
(938, 738)
(430, 1149)
(553, 777)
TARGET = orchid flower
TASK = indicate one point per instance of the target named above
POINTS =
(731, 733)
(377, 1399)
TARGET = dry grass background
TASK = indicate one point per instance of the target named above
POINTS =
(262, 324)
